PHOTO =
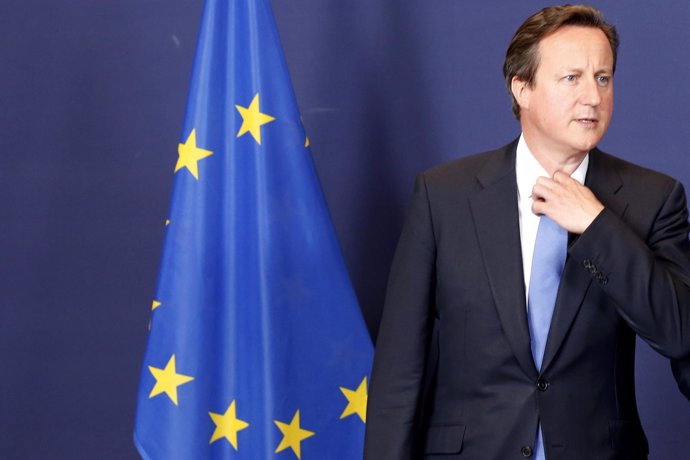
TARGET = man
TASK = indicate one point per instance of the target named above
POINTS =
(514, 374)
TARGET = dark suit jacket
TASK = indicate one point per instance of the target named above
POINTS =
(458, 269)
(681, 371)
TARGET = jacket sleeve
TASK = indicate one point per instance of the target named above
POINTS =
(403, 339)
(681, 371)
(646, 277)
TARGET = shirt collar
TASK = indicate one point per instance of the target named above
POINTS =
(528, 169)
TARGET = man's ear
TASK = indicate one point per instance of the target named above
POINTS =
(521, 92)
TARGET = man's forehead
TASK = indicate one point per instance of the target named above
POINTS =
(570, 44)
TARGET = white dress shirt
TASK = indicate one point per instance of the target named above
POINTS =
(527, 170)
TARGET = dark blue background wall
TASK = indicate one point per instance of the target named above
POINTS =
(91, 102)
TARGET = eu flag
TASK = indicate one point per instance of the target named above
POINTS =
(257, 348)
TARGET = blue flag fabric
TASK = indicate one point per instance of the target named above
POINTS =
(257, 348)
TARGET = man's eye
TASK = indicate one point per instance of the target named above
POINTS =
(603, 80)
(570, 78)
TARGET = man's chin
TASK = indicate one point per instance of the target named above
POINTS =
(588, 142)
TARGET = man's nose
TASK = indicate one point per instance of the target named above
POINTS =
(590, 92)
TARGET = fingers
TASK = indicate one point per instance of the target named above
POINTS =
(545, 190)
(566, 201)
(562, 178)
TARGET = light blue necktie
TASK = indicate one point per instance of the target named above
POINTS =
(550, 249)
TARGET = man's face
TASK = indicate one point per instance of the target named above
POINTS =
(568, 108)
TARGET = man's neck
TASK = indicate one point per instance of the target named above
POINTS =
(553, 160)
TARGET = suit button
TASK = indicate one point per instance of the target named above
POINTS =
(542, 385)
(526, 451)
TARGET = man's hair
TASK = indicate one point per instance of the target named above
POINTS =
(522, 57)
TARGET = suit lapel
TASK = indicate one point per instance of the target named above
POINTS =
(495, 213)
(604, 181)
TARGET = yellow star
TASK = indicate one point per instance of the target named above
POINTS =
(190, 154)
(293, 435)
(167, 380)
(227, 425)
(253, 119)
(155, 304)
(356, 401)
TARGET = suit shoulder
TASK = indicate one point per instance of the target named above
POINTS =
(647, 178)
(466, 169)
